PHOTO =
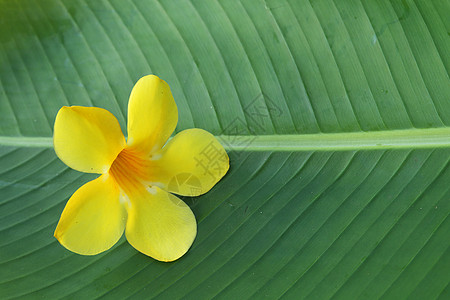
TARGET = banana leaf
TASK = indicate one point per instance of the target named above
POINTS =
(335, 115)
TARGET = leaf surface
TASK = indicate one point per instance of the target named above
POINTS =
(336, 117)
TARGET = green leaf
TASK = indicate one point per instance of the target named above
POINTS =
(336, 116)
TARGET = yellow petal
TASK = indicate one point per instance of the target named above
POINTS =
(152, 114)
(190, 164)
(93, 219)
(160, 225)
(87, 139)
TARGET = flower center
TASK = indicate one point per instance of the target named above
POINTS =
(131, 171)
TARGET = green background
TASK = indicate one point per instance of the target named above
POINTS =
(312, 223)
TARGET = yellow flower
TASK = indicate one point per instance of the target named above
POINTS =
(132, 194)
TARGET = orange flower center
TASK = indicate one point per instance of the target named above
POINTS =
(130, 170)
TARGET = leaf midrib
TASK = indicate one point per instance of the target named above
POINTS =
(392, 139)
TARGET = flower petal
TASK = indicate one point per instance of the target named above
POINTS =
(190, 164)
(160, 225)
(152, 114)
(87, 139)
(93, 219)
